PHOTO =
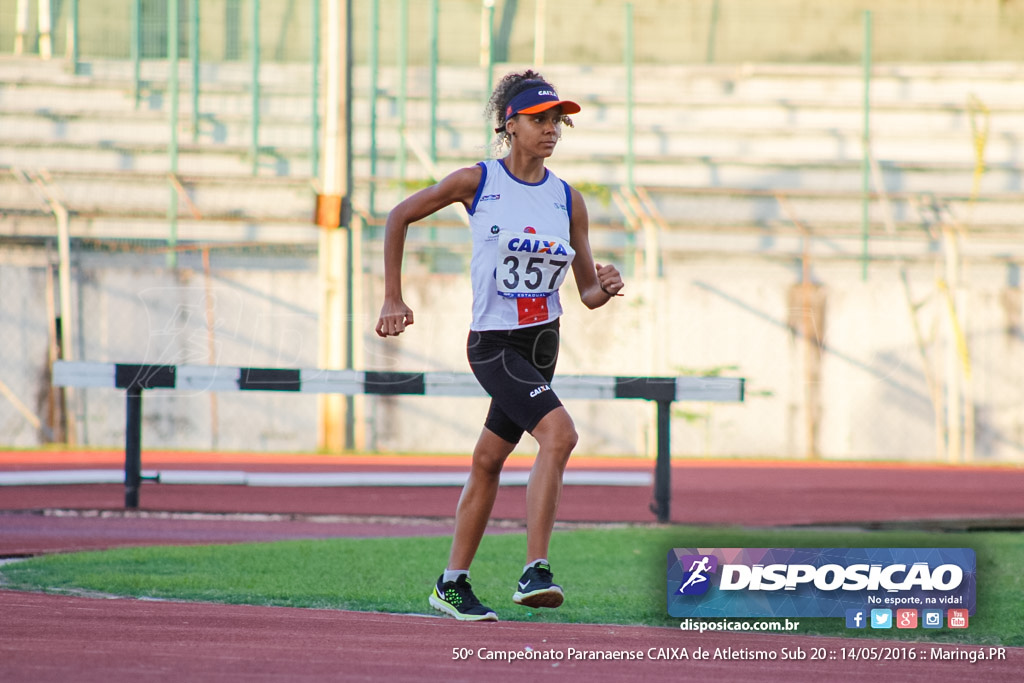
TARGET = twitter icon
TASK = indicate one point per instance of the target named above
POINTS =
(881, 618)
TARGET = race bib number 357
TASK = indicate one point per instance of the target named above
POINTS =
(531, 265)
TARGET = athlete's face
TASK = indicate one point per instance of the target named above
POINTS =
(537, 133)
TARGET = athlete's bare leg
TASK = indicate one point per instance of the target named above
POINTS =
(556, 435)
(477, 499)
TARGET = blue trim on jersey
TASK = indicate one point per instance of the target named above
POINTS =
(479, 188)
(568, 200)
(523, 182)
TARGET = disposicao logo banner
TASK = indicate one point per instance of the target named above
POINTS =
(817, 582)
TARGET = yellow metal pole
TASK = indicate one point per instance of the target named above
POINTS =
(333, 215)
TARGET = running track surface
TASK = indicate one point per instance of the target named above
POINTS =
(59, 638)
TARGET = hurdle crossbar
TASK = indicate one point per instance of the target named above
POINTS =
(136, 378)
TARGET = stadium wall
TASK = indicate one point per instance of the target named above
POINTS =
(863, 374)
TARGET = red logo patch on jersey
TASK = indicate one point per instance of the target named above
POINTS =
(532, 309)
(532, 231)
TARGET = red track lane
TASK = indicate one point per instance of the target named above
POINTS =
(50, 638)
(717, 492)
(46, 638)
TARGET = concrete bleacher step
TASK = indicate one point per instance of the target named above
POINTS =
(769, 95)
(751, 132)
(211, 197)
(269, 201)
(50, 99)
(926, 84)
(226, 160)
(823, 211)
(825, 103)
(147, 127)
(740, 174)
(154, 226)
(829, 210)
(800, 143)
(946, 82)
(939, 162)
(939, 143)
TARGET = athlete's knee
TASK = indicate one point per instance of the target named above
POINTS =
(557, 433)
(568, 438)
(490, 453)
(488, 463)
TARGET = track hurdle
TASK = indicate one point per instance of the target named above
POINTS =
(136, 378)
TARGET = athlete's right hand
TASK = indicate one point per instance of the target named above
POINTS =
(395, 316)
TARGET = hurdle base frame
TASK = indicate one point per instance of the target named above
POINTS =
(134, 379)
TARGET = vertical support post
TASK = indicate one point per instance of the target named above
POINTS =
(812, 351)
(211, 344)
(71, 47)
(56, 406)
(374, 90)
(434, 22)
(193, 51)
(709, 55)
(663, 465)
(314, 92)
(21, 27)
(539, 33)
(132, 446)
(954, 347)
(254, 142)
(487, 59)
(865, 181)
(628, 60)
(336, 418)
(173, 94)
(45, 30)
(68, 318)
(402, 66)
(136, 51)
(345, 33)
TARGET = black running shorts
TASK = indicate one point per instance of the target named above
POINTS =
(515, 367)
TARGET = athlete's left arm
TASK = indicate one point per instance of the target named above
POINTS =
(597, 283)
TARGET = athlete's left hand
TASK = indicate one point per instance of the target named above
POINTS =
(609, 279)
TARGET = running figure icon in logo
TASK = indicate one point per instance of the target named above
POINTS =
(696, 582)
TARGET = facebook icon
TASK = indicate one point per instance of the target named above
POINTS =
(855, 618)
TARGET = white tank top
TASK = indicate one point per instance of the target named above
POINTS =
(521, 251)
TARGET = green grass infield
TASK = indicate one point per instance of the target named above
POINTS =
(611, 575)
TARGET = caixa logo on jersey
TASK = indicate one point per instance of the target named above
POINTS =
(817, 582)
(537, 246)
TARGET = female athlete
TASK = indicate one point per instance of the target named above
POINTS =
(528, 228)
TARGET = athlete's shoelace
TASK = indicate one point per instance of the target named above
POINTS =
(468, 598)
(544, 574)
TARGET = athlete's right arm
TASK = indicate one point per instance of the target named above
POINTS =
(460, 186)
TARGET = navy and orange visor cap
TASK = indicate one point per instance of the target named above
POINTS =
(537, 99)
